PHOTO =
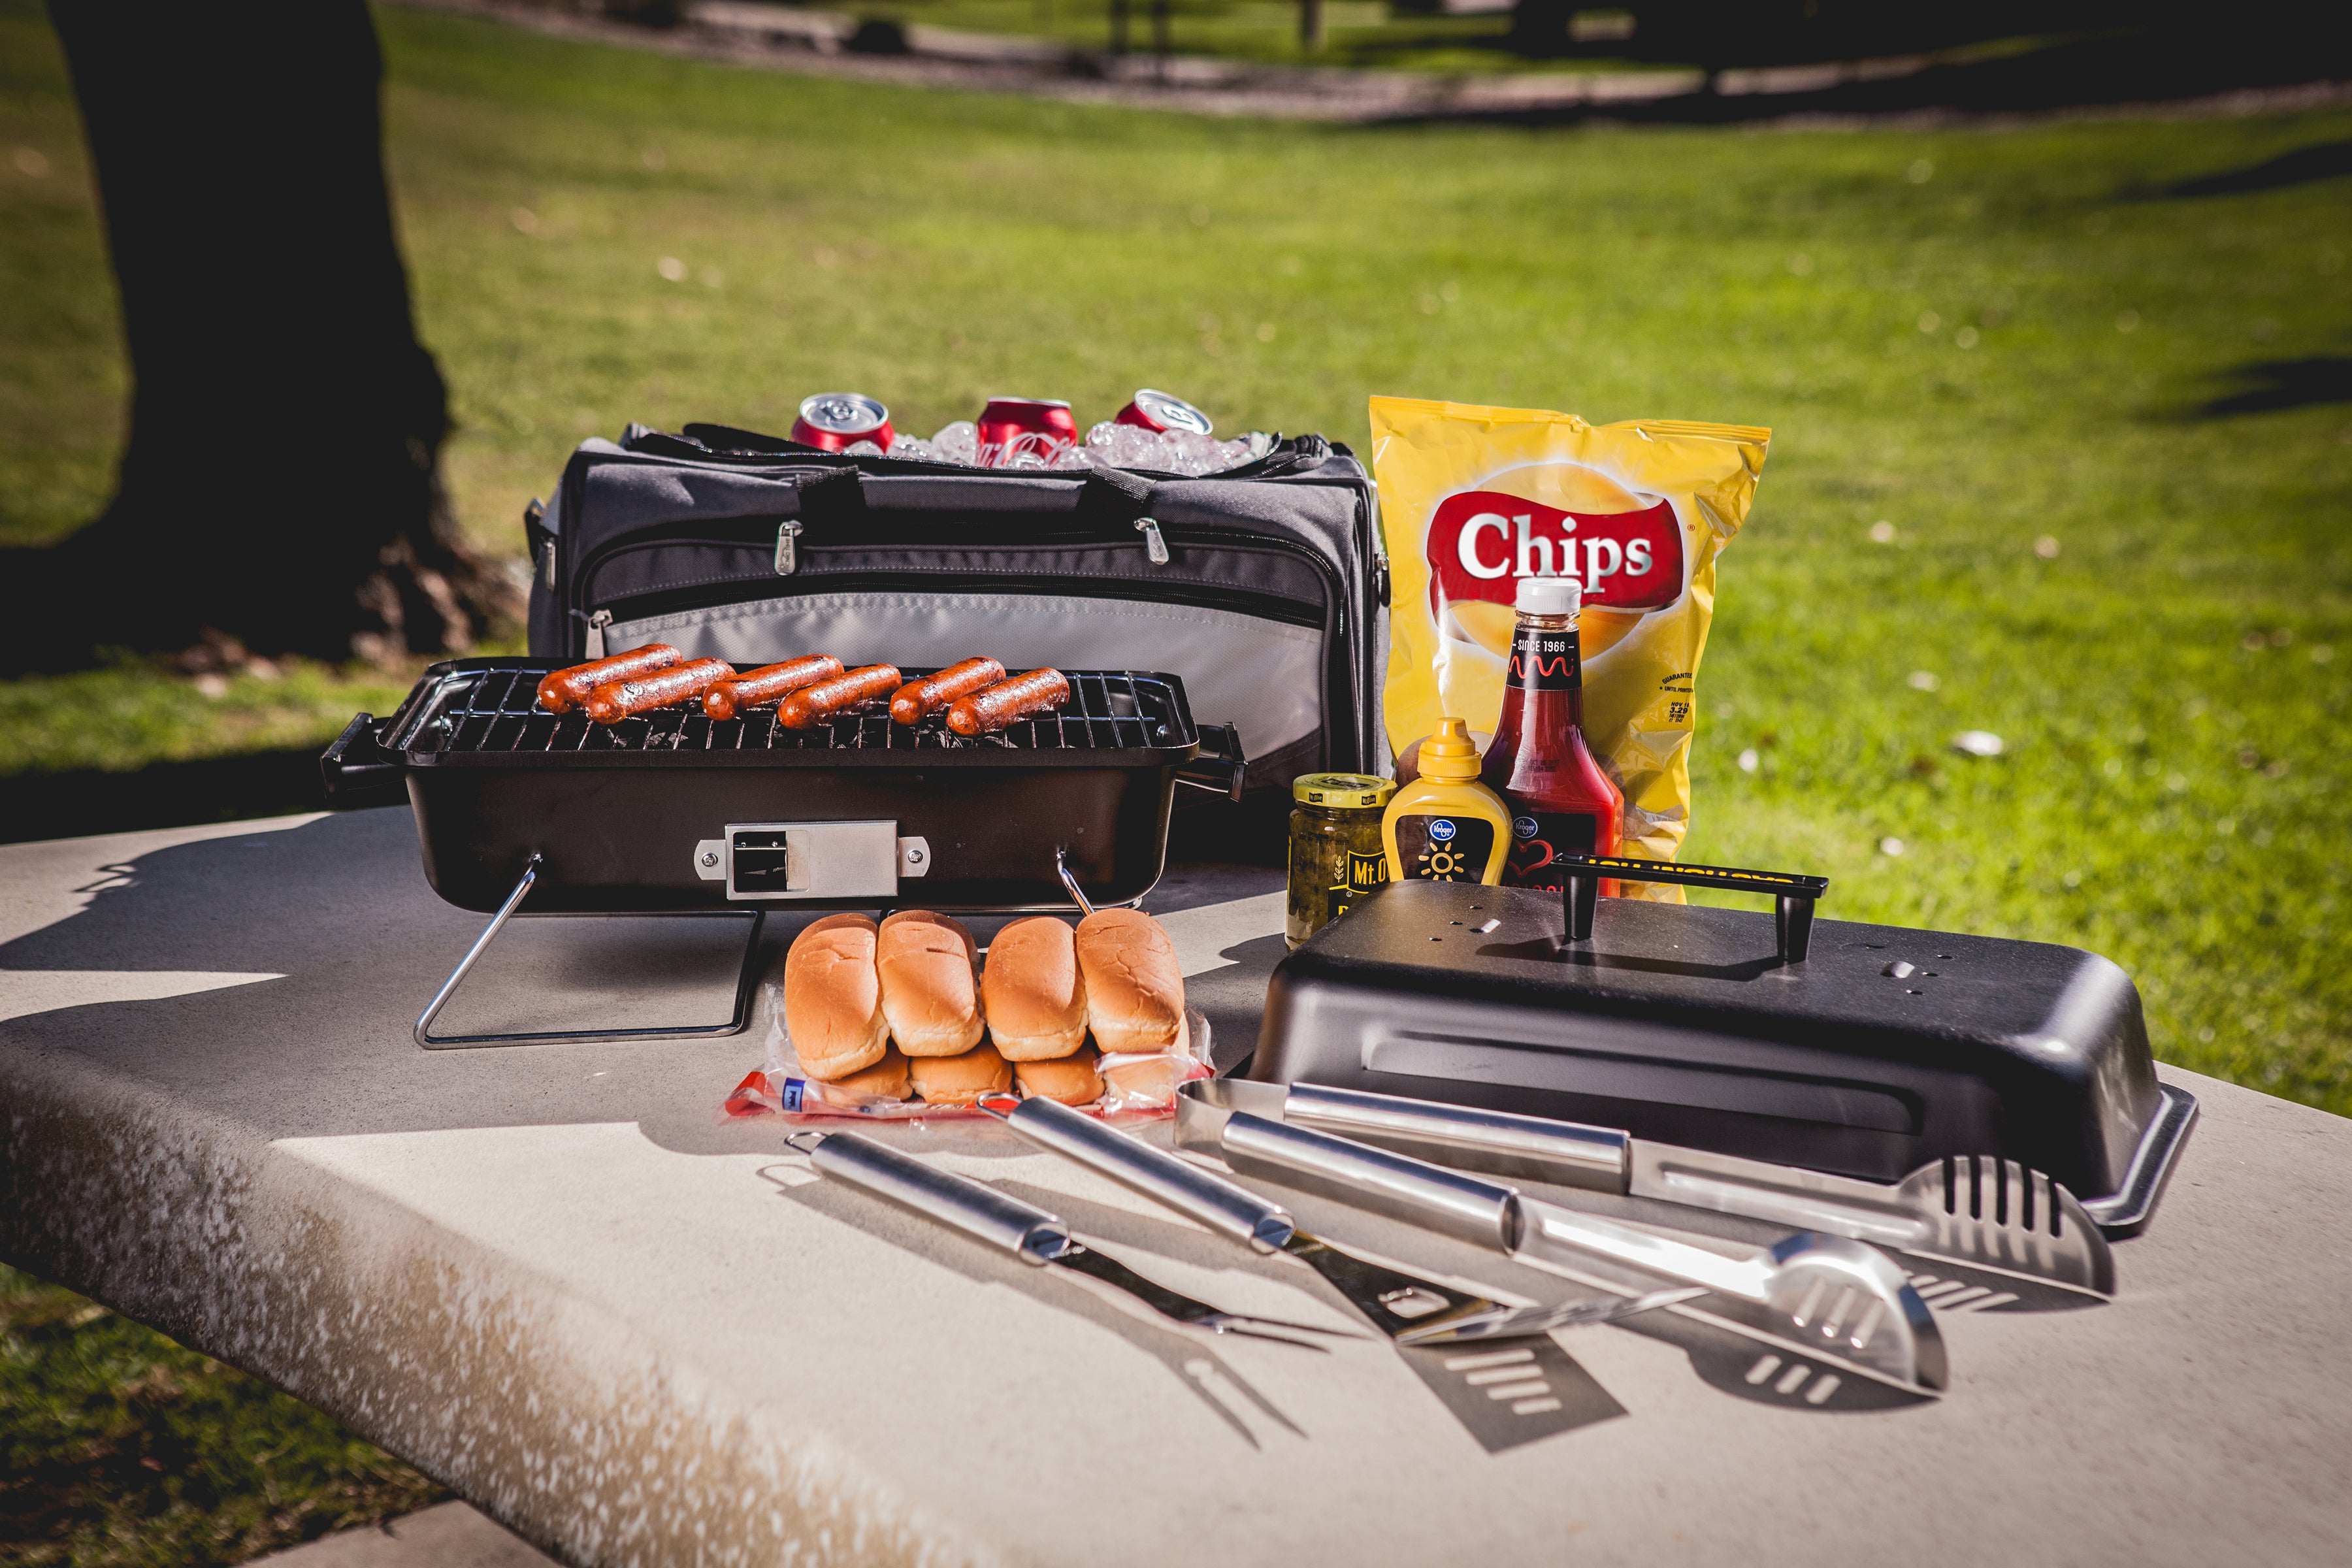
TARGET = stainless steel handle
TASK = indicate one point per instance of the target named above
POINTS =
(1419, 1194)
(1529, 1147)
(1157, 1175)
(978, 1210)
(1549, 1227)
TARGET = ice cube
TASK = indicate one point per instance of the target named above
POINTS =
(913, 448)
(861, 449)
(957, 442)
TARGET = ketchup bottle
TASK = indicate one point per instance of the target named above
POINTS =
(1560, 800)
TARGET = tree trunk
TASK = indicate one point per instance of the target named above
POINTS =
(281, 482)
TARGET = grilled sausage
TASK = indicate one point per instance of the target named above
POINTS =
(565, 689)
(1007, 702)
(729, 698)
(618, 700)
(918, 699)
(813, 705)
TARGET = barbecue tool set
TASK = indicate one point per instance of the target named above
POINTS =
(1982, 1106)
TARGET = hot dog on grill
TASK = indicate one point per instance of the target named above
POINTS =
(729, 698)
(619, 700)
(812, 705)
(1009, 701)
(918, 699)
(565, 689)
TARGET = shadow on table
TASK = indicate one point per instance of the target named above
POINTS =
(291, 963)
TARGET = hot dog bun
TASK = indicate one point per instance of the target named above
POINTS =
(886, 1079)
(930, 992)
(959, 1079)
(1073, 1080)
(833, 999)
(1032, 992)
(1135, 991)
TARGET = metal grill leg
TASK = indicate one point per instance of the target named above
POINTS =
(424, 1036)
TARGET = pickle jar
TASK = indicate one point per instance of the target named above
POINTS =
(1335, 856)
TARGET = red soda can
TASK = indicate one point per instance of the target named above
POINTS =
(1014, 428)
(838, 420)
(1150, 410)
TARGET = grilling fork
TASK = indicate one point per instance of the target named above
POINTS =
(1029, 1233)
(1408, 1309)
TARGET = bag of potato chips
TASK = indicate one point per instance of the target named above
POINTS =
(1474, 499)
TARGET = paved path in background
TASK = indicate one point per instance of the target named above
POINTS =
(451, 1535)
(812, 44)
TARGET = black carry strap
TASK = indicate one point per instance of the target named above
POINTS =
(838, 497)
(1113, 497)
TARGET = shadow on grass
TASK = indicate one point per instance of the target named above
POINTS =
(2325, 161)
(2279, 384)
(2160, 66)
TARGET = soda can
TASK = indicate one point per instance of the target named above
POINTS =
(1025, 432)
(1150, 410)
(838, 420)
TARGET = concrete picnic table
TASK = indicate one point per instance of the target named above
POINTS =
(553, 1276)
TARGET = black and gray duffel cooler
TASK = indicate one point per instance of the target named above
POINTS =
(1261, 588)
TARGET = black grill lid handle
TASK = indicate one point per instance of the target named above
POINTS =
(1218, 766)
(356, 772)
(1792, 916)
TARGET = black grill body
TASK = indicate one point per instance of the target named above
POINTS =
(617, 814)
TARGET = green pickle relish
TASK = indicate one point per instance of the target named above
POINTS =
(1336, 857)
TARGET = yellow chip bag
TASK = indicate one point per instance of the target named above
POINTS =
(1474, 499)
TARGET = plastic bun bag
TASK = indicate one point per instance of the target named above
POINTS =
(1135, 1086)
(1474, 499)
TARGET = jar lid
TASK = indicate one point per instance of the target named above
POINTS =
(1342, 790)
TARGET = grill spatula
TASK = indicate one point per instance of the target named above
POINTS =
(1408, 1309)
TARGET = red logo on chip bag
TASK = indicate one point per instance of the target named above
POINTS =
(1481, 542)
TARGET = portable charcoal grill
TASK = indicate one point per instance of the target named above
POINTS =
(522, 811)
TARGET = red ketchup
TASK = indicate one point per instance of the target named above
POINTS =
(1561, 801)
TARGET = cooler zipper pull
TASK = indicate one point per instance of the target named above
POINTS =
(788, 552)
(596, 625)
(1154, 545)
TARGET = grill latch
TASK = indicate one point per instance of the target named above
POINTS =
(771, 860)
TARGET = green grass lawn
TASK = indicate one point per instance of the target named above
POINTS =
(1984, 339)
(120, 1449)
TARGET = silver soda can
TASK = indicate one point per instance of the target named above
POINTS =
(1150, 410)
(838, 420)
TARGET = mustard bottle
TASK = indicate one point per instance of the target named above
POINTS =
(1447, 826)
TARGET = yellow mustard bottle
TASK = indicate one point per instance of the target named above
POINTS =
(1447, 826)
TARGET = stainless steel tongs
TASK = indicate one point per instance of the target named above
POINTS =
(1993, 1215)
(1822, 1296)
(1027, 1232)
(1407, 1308)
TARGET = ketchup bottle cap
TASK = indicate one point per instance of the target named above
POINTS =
(1548, 596)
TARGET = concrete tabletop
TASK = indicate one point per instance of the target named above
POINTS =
(553, 1276)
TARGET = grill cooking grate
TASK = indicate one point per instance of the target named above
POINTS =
(497, 711)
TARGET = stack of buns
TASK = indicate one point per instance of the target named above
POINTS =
(902, 1008)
